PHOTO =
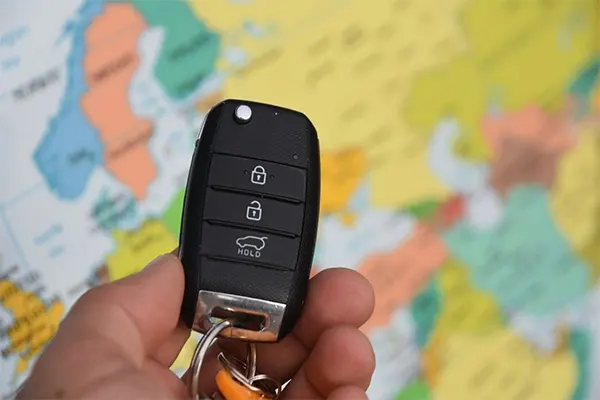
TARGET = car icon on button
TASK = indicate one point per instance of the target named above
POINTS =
(255, 242)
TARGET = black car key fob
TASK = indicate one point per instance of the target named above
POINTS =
(250, 218)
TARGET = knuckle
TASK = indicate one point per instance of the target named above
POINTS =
(355, 344)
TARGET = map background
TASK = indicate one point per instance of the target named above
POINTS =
(460, 167)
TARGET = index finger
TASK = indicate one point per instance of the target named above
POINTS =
(112, 329)
(336, 297)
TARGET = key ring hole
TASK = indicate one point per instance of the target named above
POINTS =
(240, 319)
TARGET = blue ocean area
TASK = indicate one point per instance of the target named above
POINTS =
(70, 150)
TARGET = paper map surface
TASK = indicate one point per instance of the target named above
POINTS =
(460, 162)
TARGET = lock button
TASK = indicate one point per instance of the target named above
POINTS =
(224, 207)
(247, 175)
(259, 176)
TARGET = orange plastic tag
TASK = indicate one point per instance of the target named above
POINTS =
(231, 389)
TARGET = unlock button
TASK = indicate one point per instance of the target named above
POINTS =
(260, 213)
(254, 211)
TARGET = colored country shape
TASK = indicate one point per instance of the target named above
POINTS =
(190, 48)
(521, 163)
(70, 150)
(137, 248)
(505, 66)
(450, 212)
(425, 309)
(423, 210)
(574, 200)
(439, 213)
(341, 174)
(398, 275)
(172, 216)
(241, 16)
(431, 359)
(584, 85)
(252, 27)
(35, 322)
(524, 261)
(182, 362)
(501, 366)
(548, 132)
(206, 103)
(416, 390)
(113, 211)
(349, 68)
(464, 308)
(109, 68)
(596, 100)
(528, 145)
(590, 252)
(460, 308)
(581, 344)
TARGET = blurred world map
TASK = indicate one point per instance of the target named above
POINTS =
(460, 161)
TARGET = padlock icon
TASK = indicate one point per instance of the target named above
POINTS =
(259, 175)
(254, 211)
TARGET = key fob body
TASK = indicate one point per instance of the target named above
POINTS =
(249, 221)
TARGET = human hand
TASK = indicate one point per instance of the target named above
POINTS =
(119, 340)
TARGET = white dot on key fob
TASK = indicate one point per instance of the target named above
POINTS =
(243, 113)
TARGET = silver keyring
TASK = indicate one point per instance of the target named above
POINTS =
(200, 352)
(203, 347)
(266, 383)
(251, 361)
